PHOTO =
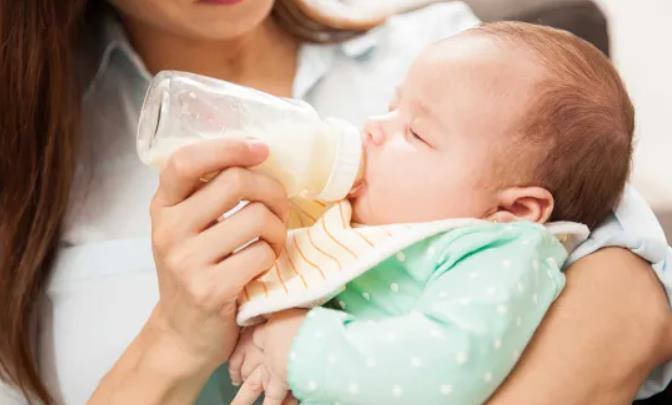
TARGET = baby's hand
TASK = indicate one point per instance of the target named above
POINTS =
(276, 392)
(246, 357)
(248, 365)
(273, 340)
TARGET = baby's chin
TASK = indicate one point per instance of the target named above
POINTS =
(356, 212)
(359, 210)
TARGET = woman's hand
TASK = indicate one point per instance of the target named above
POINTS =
(200, 269)
(606, 332)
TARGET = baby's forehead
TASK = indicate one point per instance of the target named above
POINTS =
(476, 63)
(474, 50)
(473, 85)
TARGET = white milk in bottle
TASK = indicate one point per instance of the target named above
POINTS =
(319, 158)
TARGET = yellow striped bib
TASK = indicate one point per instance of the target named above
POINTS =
(326, 252)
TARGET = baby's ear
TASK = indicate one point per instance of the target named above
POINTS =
(533, 204)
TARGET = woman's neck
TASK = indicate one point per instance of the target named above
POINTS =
(265, 58)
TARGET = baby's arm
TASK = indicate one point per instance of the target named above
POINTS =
(463, 337)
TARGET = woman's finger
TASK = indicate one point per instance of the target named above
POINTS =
(216, 286)
(251, 222)
(227, 189)
(231, 275)
(251, 389)
(182, 173)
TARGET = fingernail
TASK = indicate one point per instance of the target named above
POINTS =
(235, 383)
(256, 146)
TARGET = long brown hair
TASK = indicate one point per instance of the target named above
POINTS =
(39, 128)
(37, 143)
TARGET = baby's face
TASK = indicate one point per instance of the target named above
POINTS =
(432, 156)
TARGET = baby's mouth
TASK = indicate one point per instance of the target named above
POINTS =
(361, 176)
(360, 183)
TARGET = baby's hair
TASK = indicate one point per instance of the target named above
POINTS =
(581, 120)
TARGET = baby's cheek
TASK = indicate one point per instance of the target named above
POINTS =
(397, 200)
(398, 184)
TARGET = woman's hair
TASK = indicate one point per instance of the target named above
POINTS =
(298, 18)
(39, 129)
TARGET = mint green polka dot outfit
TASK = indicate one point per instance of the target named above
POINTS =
(441, 322)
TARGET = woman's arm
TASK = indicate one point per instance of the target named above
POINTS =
(154, 369)
(609, 328)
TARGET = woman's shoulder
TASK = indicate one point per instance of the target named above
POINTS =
(633, 226)
(408, 33)
(434, 21)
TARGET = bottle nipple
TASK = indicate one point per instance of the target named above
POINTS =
(360, 179)
(348, 166)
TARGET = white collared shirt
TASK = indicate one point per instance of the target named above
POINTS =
(104, 286)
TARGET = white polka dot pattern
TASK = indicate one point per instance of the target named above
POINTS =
(470, 322)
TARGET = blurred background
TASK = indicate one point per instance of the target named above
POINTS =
(640, 31)
(636, 35)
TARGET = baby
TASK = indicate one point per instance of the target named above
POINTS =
(511, 124)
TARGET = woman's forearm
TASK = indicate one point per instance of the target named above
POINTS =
(154, 369)
(601, 338)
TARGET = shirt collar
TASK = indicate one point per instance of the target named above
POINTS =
(363, 44)
(315, 60)
(113, 41)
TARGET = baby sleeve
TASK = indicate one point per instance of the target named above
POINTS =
(488, 291)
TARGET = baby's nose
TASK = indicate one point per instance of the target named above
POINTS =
(374, 132)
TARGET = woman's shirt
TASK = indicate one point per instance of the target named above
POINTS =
(104, 285)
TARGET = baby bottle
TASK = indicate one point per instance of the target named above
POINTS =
(320, 159)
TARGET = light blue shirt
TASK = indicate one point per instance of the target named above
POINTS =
(104, 285)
